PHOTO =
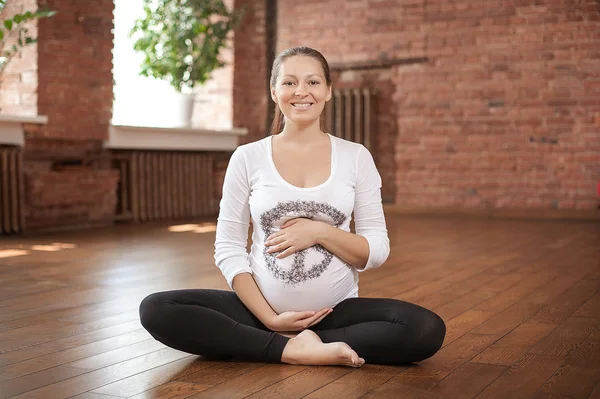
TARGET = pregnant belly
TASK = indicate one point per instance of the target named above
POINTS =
(326, 291)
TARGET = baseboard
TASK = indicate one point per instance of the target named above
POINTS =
(482, 213)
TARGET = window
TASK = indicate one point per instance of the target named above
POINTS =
(143, 101)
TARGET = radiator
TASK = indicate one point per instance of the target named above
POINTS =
(350, 114)
(11, 190)
(163, 185)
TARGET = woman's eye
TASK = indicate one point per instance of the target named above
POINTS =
(287, 83)
(314, 82)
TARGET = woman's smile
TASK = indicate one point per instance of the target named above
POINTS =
(302, 105)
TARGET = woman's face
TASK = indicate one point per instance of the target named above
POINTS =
(301, 89)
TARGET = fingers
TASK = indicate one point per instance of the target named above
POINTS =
(309, 321)
(287, 252)
(321, 318)
(284, 246)
(304, 315)
(274, 240)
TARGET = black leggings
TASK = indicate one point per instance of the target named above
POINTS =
(216, 323)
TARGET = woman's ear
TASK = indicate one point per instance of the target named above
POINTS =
(273, 96)
(329, 91)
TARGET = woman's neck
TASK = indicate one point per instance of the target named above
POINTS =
(301, 133)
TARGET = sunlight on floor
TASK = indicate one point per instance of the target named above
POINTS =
(206, 228)
(182, 228)
(196, 228)
(55, 246)
(7, 253)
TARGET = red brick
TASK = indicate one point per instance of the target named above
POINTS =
(509, 47)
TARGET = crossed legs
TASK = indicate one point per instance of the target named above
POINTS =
(216, 323)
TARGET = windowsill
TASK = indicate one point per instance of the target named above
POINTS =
(176, 138)
(11, 128)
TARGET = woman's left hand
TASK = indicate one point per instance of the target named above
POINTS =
(295, 235)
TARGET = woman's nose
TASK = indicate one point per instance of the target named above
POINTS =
(300, 89)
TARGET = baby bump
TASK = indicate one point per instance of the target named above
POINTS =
(299, 289)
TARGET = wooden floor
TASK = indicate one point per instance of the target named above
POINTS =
(521, 301)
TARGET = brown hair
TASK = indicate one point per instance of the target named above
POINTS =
(277, 125)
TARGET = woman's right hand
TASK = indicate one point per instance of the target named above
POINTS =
(297, 321)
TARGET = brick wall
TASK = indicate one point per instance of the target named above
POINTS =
(250, 86)
(75, 69)
(505, 113)
(18, 83)
(68, 177)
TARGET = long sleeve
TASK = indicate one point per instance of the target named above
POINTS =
(233, 220)
(369, 219)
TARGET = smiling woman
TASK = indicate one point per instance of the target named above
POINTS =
(296, 292)
(304, 84)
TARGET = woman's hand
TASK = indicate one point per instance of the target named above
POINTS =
(297, 321)
(295, 235)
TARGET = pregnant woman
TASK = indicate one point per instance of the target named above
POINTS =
(295, 295)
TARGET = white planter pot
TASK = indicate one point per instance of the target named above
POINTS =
(186, 110)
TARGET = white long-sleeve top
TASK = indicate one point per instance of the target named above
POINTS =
(253, 190)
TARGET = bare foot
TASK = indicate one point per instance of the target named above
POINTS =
(308, 349)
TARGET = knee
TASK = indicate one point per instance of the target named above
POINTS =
(432, 333)
(150, 309)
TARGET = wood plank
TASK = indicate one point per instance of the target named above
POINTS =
(117, 355)
(424, 289)
(467, 381)
(566, 337)
(524, 378)
(303, 383)
(596, 392)
(450, 357)
(514, 345)
(70, 314)
(591, 308)
(68, 343)
(219, 372)
(67, 331)
(572, 382)
(16, 386)
(517, 292)
(396, 388)
(250, 382)
(546, 395)
(509, 319)
(461, 325)
(95, 379)
(571, 300)
(69, 355)
(462, 304)
(89, 395)
(153, 378)
(580, 373)
(558, 286)
(357, 383)
(170, 390)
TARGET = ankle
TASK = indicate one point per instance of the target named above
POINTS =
(290, 351)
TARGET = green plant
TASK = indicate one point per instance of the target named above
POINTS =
(15, 25)
(181, 39)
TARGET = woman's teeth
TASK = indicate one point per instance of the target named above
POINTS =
(301, 105)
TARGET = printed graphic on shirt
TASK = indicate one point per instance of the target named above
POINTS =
(299, 271)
